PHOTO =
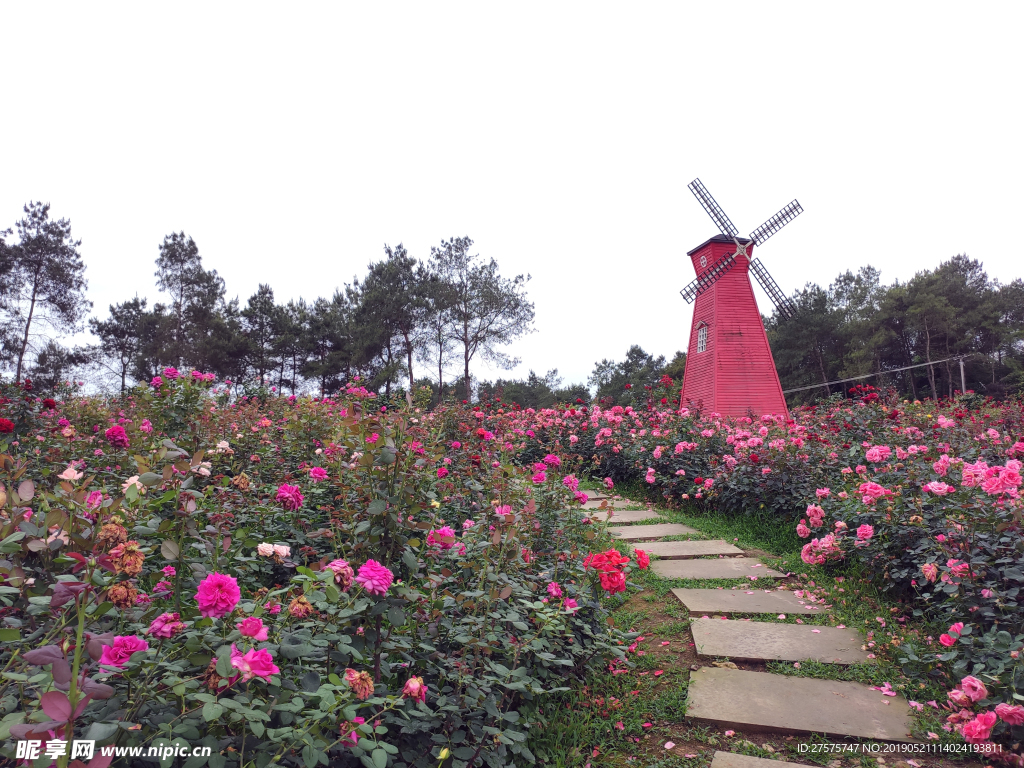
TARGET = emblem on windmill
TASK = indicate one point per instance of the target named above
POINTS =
(729, 365)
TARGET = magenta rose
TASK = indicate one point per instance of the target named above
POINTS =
(290, 496)
(218, 595)
(252, 627)
(374, 578)
(253, 663)
(117, 653)
(117, 437)
(166, 625)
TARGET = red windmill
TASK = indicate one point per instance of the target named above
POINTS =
(729, 365)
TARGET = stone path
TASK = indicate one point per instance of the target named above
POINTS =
(761, 701)
(650, 532)
(720, 568)
(608, 503)
(732, 760)
(677, 550)
(623, 516)
(738, 601)
(764, 641)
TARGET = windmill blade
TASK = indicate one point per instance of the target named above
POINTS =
(713, 208)
(706, 279)
(782, 302)
(776, 222)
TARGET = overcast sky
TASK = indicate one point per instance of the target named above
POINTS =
(293, 140)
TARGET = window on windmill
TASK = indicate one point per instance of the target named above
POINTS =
(703, 261)
(702, 338)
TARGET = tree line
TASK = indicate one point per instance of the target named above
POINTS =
(859, 326)
(405, 317)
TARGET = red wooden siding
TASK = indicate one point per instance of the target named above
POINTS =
(736, 374)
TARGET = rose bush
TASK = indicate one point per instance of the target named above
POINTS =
(927, 496)
(188, 577)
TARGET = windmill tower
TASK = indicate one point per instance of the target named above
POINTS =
(729, 365)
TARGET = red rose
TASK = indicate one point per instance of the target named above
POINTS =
(6, 425)
(49, 403)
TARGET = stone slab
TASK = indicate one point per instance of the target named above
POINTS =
(651, 532)
(738, 601)
(732, 760)
(770, 641)
(623, 516)
(759, 701)
(612, 503)
(719, 568)
(677, 550)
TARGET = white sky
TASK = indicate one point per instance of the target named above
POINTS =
(293, 140)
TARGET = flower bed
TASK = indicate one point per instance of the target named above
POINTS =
(291, 580)
(927, 497)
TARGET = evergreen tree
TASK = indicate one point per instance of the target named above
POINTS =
(262, 324)
(122, 338)
(487, 309)
(44, 284)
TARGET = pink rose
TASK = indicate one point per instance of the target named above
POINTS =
(415, 689)
(117, 437)
(939, 488)
(352, 739)
(865, 532)
(374, 578)
(974, 688)
(316, 474)
(117, 653)
(343, 573)
(554, 589)
(442, 537)
(218, 595)
(253, 663)
(290, 496)
(166, 625)
(980, 728)
(252, 627)
(1013, 715)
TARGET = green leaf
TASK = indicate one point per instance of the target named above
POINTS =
(396, 616)
(257, 728)
(212, 710)
(9, 635)
(100, 731)
(170, 550)
(377, 507)
(224, 666)
(311, 680)
(380, 758)
(10, 544)
(149, 479)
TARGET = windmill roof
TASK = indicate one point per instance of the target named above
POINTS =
(718, 239)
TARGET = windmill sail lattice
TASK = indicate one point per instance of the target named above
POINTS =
(707, 279)
(776, 222)
(781, 301)
(725, 226)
